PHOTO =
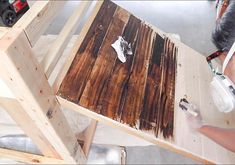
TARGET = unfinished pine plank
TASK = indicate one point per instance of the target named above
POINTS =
(29, 158)
(10, 129)
(186, 84)
(38, 18)
(54, 53)
(15, 110)
(192, 82)
(88, 136)
(3, 31)
(22, 73)
(123, 127)
(5, 91)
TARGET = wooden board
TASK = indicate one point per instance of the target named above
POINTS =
(141, 96)
(28, 158)
(3, 30)
(19, 69)
(127, 92)
(36, 20)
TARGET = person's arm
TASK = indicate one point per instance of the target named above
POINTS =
(224, 137)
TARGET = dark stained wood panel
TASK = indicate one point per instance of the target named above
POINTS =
(104, 63)
(149, 115)
(78, 74)
(139, 92)
(136, 84)
(112, 98)
(169, 90)
(158, 106)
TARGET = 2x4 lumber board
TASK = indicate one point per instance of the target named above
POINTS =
(3, 30)
(122, 127)
(38, 18)
(15, 110)
(28, 158)
(10, 129)
(88, 135)
(5, 91)
(22, 73)
(77, 44)
(54, 53)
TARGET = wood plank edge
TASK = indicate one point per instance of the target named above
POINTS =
(5, 91)
(28, 157)
(28, 126)
(88, 136)
(38, 18)
(34, 10)
(166, 145)
(60, 135)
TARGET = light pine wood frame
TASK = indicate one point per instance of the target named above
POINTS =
(29, 158)
(19, 69)
(38, 18)
(24, 35)
(32, 104)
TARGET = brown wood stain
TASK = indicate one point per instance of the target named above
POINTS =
(139, 92)
(111, 100)
(78, 74)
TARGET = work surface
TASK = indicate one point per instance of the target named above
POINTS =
(141, 96)
(139, 92)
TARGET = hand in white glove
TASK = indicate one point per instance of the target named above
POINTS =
(194, 122)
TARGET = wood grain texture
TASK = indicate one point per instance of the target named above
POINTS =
(111, 99)
(139, 92)
(104, 63)
(22, 73)
(78, 74)
(149, 115)
(136, 83)
(28, 158)
(156, 115)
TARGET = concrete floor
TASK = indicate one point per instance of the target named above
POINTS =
(192, 20)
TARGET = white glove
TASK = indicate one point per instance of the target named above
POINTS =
(194, 122)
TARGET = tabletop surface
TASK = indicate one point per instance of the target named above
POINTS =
(139, 92)
(144, 92)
